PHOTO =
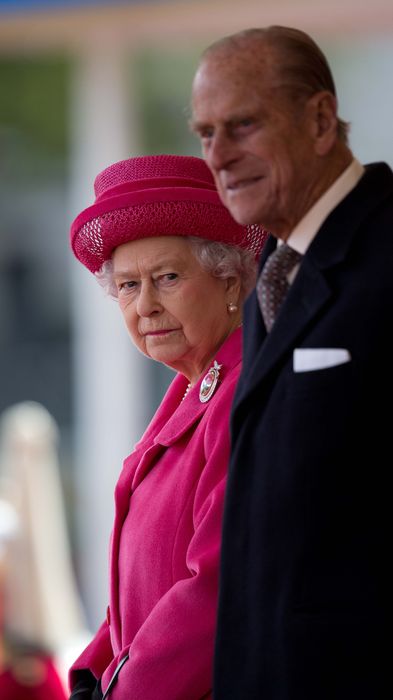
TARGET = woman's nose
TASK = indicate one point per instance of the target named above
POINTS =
(148, 300)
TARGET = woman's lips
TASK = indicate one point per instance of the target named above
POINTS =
(165, 331)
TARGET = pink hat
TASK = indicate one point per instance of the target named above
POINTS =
(149, 196)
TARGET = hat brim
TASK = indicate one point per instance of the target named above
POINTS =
(153, 212)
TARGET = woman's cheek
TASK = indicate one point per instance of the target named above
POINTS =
(124, 302)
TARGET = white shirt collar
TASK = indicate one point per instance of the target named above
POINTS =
(307, 228)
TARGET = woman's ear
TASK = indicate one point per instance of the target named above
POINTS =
(322, 111)
(233, 286)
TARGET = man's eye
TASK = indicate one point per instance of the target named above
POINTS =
(205, 134)
(243, 124)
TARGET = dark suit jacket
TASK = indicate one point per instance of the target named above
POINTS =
(306, 549)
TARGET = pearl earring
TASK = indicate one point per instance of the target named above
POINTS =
(232, 307)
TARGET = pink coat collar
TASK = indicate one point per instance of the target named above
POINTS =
(174, 416)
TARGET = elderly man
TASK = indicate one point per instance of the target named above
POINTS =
(304, 564)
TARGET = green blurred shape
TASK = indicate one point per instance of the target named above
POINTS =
(33, 114)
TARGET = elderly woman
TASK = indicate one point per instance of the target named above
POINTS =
(160, 240)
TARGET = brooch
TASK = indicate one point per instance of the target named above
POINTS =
(209, 383)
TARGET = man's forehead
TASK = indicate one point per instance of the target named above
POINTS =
(239, 69)
(232, 90)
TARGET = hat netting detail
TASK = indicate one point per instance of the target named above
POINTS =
(96, 240)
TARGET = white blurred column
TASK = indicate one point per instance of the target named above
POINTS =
(109, 374)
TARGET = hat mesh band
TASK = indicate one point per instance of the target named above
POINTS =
(95, 241)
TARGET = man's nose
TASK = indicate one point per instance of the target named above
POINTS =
(221, 152)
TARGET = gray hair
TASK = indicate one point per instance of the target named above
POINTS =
(218, 259)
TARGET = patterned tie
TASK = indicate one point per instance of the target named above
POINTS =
(272, 284)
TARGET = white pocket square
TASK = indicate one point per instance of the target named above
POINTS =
(310, 359)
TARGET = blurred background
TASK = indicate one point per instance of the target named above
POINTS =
(83, 84)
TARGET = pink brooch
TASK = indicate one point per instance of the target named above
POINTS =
(209, 383)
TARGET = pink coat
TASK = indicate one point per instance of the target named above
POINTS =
(165, 548)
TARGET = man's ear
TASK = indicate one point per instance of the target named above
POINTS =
(322, 112)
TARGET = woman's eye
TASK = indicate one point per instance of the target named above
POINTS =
(169, 277)
(124, 287)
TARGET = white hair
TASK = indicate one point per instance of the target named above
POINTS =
(218, 259)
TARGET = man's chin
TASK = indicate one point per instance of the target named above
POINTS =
(242, 208)
(243, 215)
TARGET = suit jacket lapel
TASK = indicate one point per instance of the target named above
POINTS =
(310, 290)
(173, 419)
(306, 297)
